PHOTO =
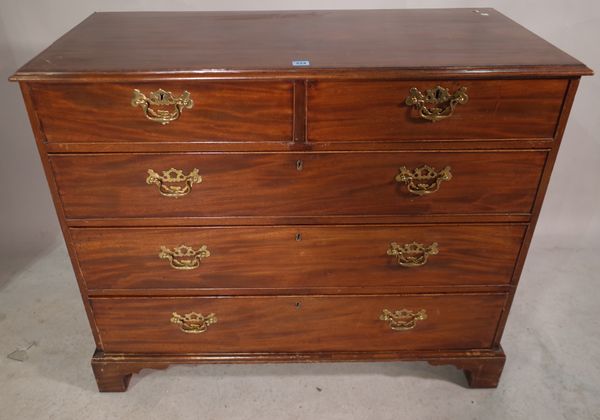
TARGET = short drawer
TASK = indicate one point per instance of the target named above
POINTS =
(297, 323)
(297, 257)
(484, 109)
(296, 184)
(214, 111)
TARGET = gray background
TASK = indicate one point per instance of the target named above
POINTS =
(552, 338)
(28, 225)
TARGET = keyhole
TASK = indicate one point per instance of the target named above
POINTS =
(298, 304)
(299, 165)
(298, 236)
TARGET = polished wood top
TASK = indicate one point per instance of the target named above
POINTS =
(434, 42)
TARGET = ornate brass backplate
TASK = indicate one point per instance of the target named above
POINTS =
(442, 100)
(173, 183)
(413, 254)
(184, 257)
(162, 98)
(193, 323)
(403, 319)
(424, 179)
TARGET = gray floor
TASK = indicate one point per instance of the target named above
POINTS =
(552, 341)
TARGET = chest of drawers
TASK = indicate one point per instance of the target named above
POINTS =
(298, 186)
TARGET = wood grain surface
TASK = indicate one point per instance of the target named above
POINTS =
(297, 257)
(297, 323)
(266, 184)
(376, 110)
(222, 111)
(209, 44)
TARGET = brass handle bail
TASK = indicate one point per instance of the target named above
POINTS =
(173, 183)
(403, 319)
(443, 102)
(184, 257)
(162, 98)
(193, 323)
(413, 254)
(424, 179)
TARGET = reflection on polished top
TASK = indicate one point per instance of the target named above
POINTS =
(450, 40)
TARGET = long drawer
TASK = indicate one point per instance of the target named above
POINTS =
(214, 111)
(297, 257)
(297, 323)
(296, 184)
(462, 109)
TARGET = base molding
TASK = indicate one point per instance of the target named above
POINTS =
(113, 371)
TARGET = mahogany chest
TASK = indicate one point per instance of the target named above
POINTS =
(298, 186)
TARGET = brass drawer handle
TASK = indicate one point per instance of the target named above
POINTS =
(403, 319)
(193, 323)
(437, 96)
(173, 183)
(184, 257)
(413, 254)
(424, 179)
(162, 98)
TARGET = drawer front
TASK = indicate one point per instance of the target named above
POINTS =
(297, 323)
(377, 110)
(297, 257)
(296, 184)
(221, 111)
